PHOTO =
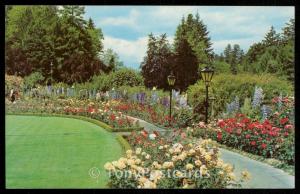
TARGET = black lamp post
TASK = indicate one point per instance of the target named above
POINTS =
(207, 74)
(51, 72)
(171, 81)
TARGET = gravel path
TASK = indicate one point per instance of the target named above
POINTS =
(262, 175)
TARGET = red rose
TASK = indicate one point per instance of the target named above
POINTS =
(219, 136)
(259, 139)
(263, 145)
(286, 134)
(248, 136)
(253, 143)
(288, 126)
(239, 132)
(284, 120)
(268, 139)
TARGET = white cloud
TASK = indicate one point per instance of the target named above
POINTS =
(129, 51)
(130, 20)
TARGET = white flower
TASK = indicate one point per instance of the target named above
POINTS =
(152, 136)
(161, 147)
(138, 151)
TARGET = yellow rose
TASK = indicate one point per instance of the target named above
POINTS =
(129, 152)
(168, 164)
(174, 158)
(142, 180)
(189, 166)
(246, 175)
(221, 173)
(191, 152)
(198, 163)
(171, 150)
(179, 174)
(121, 165)
(160, 147)
(138, 151)
(147, 156)
(231, 176)
(149, 185)
(109, 166)
(138, 161)
(130, 162)
(166, 146)
(115, 163)
(207, 157)
(203, 170)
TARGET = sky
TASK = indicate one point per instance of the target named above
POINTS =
(126, 28)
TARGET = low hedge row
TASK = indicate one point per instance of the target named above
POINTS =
(127, 129)
(124, 143)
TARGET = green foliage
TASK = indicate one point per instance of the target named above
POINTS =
(156, 65)
(274, 54)
(246, 109)
(41, 35)
(225, 87)
(34, 79)
(119, 78)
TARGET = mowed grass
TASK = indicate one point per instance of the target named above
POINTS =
(54, 152)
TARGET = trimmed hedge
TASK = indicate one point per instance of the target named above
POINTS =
(124, 143)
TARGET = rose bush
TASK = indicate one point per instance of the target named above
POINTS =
(262, 138)
(191, 165)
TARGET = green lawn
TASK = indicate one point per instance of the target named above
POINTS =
(53, 152)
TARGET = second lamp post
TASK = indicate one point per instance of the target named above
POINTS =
(171, 82)
(206, 74)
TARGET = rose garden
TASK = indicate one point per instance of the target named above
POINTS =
(123, 128)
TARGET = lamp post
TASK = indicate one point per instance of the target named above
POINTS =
(171, 82)
(51, 72)
(207, 74)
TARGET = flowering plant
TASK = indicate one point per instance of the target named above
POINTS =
(261, 138)
(192, 165)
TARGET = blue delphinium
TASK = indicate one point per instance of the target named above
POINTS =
(234, 106)
(257, 97)
(266, 111)
(279, 103)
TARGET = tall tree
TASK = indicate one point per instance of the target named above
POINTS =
(271, 38)
(195, 32)
(185, 64)
(157, 63)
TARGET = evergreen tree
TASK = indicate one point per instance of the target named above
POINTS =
(156, 65)
(271, 38)
(228, 54)
(185, 65)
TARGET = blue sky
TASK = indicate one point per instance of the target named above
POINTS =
(126, 28)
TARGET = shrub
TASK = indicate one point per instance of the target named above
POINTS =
(34, 79)
(121, 77)
(191, 165)
(225, 87)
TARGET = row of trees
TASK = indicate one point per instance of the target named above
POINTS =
(37, 36)
(274, 54)
(191, 47)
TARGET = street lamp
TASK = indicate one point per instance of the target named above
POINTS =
(207, 74)
(171, 81)
(51, 72)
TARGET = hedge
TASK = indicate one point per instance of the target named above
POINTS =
(124, 143)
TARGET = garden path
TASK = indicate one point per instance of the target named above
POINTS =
(262, 175)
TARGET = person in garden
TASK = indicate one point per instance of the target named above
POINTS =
(12, 95)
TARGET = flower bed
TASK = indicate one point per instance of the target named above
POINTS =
(261, 138)
(175, 162)
(102, 112)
